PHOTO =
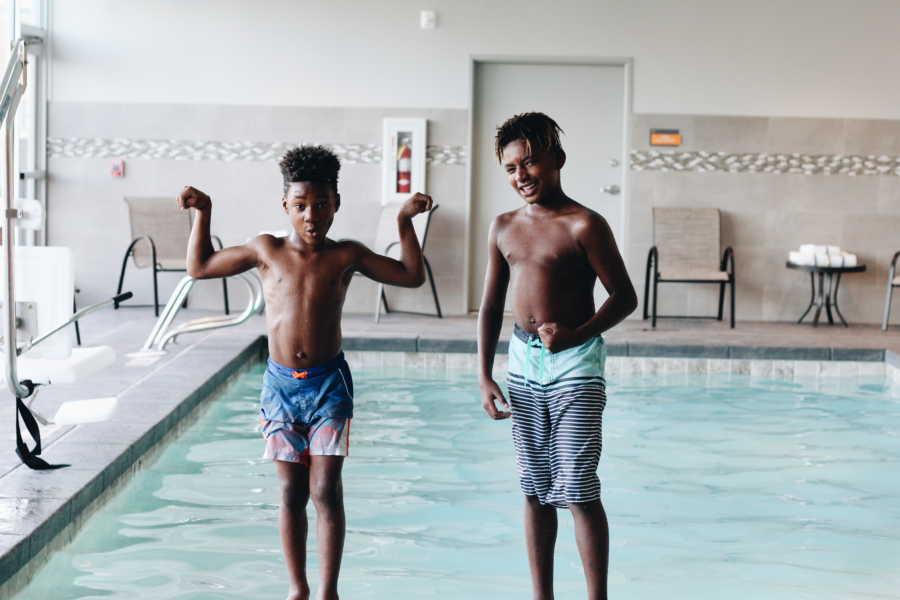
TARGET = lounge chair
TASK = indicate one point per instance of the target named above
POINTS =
(686, 250)
(387, 242)
(164, 231)
(893, 281)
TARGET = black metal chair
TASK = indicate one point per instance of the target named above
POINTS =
(165, 231)
(893, 281)
(686, 248)
(387, 230)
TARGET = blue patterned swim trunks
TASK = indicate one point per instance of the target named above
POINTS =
(306, 412)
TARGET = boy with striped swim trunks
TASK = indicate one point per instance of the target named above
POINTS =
(551, 251)
(307, 397)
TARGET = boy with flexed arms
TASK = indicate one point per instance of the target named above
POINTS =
(307, 397)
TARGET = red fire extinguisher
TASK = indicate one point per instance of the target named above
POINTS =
(404, 169)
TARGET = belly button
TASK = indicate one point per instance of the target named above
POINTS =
(532, 320)
(301, 354)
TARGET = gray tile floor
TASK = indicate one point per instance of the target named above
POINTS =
(35, 506)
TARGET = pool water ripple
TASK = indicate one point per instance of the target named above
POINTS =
(716, 487)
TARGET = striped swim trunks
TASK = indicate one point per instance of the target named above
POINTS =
(557, 402)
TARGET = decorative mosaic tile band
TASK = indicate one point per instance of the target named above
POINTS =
(762, 162)
(225, 151)
(446, 155)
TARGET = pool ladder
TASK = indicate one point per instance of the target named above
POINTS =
(163, 332)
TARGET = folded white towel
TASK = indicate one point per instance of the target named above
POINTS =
(819, 249)
(823, 259)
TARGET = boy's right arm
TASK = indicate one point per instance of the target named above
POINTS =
(490, 320)
(203, 261)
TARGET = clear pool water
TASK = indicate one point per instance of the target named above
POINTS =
(716, 487)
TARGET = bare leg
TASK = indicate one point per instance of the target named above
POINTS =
(540, 535)
(592, 535)
(328, 496)
(294, 496)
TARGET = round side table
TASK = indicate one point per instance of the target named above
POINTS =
(825, 294)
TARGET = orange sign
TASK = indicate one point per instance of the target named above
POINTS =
(665, 137)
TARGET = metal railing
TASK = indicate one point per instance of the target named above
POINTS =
(13, 87)
(162, 333)
(14, 81)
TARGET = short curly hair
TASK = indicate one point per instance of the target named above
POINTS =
(310, 163)
(538, 131)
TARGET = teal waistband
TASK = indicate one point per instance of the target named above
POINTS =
(529, 358)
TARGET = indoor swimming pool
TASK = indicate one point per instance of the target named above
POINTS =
(716, 486)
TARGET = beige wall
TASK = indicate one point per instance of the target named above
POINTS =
(828, 58)
(765, 215)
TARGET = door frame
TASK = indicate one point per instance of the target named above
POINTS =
(627, 94)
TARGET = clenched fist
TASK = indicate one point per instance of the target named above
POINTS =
(193, 198)
(557, 337)
(416, 204)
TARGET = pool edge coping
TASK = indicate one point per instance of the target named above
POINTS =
(644, 350)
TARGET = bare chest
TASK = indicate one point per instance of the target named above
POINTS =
(546, 250)
(305, 277)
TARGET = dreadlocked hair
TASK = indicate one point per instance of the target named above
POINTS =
(538, 131)
(310, 163)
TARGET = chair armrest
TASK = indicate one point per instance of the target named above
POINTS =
(134, 243)
(653, 258)
(152, 252)
(218, 240)
(727, 260)
(893, 270)
(894, 260)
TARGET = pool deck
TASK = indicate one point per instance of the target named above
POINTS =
(695, 338)
(40, 510)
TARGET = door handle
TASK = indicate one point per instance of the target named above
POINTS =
(611, 189)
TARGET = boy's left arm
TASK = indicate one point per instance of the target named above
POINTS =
(600, 247)
(409, 271)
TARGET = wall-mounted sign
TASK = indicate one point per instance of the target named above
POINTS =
(665, 137)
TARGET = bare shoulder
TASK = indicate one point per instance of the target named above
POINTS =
(351, 247)
(587, 223)
(350, 252)
(265, 243)
(265, 240)
(266, 247)
(503, 220)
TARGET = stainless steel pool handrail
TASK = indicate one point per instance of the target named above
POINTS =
(78, 315)
(161, 334)
(15, 79)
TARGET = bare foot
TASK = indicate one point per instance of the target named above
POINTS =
(302, 594)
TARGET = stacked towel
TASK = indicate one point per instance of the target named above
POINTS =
(814, 255)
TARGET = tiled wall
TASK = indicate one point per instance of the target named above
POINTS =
(231, 152)
(779, 182)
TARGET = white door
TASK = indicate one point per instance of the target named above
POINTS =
(588, 103)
